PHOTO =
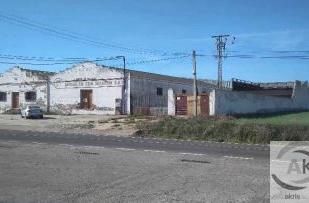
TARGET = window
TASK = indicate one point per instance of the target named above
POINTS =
(183, 91)
(2, 96)
(159, 91)
(30, 96)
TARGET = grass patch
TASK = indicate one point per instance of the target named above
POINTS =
(291, 127)
(301, 118)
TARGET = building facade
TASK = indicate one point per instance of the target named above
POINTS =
(149, 92)
(20, 87)
(88, 88)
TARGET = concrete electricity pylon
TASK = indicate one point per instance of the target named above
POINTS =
(221, 41)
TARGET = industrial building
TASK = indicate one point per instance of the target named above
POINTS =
(89, 88)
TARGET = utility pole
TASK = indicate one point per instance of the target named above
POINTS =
(221, 43)
(123, 105)
(48, 95)
(194, 84)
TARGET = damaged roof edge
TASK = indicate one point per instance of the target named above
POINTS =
(32, 71)
(140, 74)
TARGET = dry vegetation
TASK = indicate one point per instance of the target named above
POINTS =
(258, 129)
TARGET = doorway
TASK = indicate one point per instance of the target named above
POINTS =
(181, 105)
(86, 99)
(204, 102)
(15, 100)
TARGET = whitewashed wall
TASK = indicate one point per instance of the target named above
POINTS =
(105, 83)
(225, 102)
(171, 102)
(22, 81)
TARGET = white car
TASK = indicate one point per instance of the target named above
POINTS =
(32, 111)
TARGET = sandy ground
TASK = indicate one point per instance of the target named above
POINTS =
(88, 124)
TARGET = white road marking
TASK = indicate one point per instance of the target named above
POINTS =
(194, 154)
(78, 146)
(238, 157)
(66, 145)
(149, 150)
(280, 161)
(92, 147)
(37, 143)
(12, 141)
(125, 149)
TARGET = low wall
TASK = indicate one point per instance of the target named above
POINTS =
(225, 102)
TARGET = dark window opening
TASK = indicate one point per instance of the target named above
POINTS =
(2, 96)
(184, 91)
(30, 96)
(159, 91)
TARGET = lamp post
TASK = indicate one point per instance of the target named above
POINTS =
(123, 105)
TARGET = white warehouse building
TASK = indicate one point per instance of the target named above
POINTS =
(20, 87)
(88, 88)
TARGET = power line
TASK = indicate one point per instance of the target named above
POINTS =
(251, 56)
(73, 36)
(35, 64)
(70, 61)
(158, 60)
(269, 57)
(52, 30)
(271, 51)
(74, 62)
(51, 59)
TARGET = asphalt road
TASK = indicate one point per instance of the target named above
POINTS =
(199, 147)
(55, 167)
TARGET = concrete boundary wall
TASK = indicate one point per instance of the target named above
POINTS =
(226, 102)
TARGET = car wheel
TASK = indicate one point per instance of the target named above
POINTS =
(41, 117)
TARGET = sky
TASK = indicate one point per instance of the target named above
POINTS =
(162, 31)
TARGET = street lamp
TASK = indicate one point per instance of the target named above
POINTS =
(124, 84)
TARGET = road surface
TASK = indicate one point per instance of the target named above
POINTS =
(56, 167)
